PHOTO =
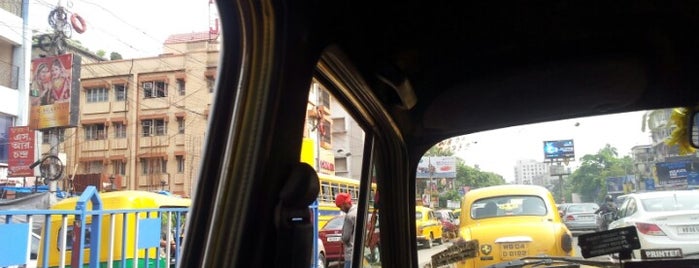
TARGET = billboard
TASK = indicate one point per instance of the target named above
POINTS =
(54, 96)
(21, 152)
(560, 149)
(436, 167)
(619, 185)
(677, 174)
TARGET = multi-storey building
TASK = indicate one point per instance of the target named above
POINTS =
(143, 121)
(348, 142)
(531, 172)
(15, 48)
(661, 128)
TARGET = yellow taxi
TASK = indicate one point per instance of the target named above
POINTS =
(429, 228)
(511, 222)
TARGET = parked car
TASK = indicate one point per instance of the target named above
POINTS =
(665, 220)
(331, 237)
(527, 227)
(581, 217)
(428, 227)
(561, 208)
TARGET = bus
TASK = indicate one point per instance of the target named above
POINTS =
(330, 186)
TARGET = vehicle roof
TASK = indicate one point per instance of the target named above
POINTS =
(422, 208)
(129, 200)
(661, 193)
(509, 189)
(477, 61)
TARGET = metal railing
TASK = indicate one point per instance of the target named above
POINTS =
(110, 238)
(131, 237)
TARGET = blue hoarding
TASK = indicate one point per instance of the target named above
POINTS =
(560, 149)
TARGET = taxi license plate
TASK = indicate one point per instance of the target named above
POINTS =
(333, 239)
(688, 229)
(509, 251)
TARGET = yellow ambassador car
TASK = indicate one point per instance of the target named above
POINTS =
(429, 228)
(511, 222)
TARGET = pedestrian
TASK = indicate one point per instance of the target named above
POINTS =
(344, 202)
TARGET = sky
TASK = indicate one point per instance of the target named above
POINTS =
(498, 151)
(133, 28)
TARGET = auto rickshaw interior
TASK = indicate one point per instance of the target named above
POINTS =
(411, 74)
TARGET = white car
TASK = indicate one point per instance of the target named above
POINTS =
(666, 221)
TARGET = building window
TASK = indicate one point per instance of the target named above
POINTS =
(119, 130)
(180, 164)
(98, 94)
(210, 83)
(94, 167)
(94, 132)
(120, 92)
(339, 125)
(119, 167)
(6, 122)
(324, 97)
(180, 87)
(180, 125)
(46, 136)
(154, 127)
(153, 166)
(154, 89)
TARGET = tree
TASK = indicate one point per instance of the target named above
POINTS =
(115, 56)
(590, 179)
(465, 175)
(101, 53)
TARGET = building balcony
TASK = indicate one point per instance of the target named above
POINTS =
(178, 178)
(96, 108)
(12, 6)
(9, 75)
(154, 103)
(179, 139)
(94, 145)
(154, 141)
(10, 22)
(118, 144)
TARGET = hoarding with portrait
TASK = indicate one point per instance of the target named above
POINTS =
(54, 96)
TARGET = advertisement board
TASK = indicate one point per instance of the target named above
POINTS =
(21, 152)
(623, 184)
(677, 174)
(561, 149)
(54, 96)
(436, 167)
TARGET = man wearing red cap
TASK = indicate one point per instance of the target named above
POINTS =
(344, 202)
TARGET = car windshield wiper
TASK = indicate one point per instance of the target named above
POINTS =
(544, 261)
